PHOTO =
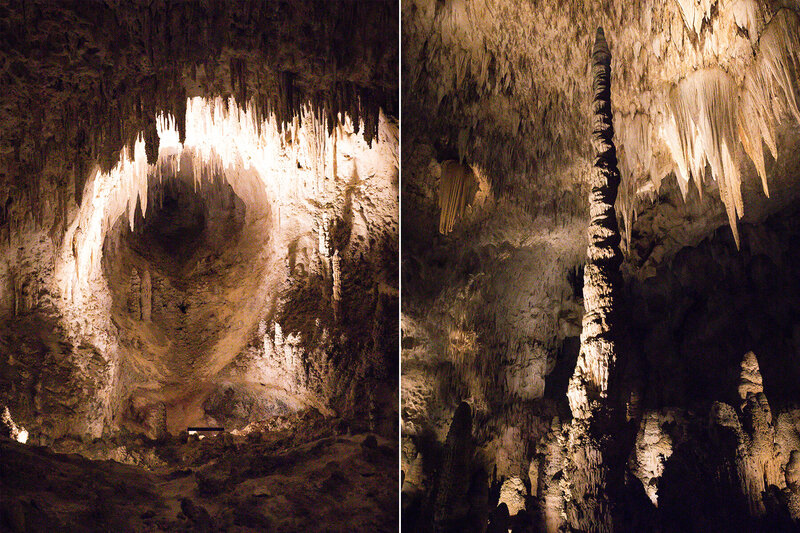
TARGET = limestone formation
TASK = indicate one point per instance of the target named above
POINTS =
(602, 279)
(654, 446)
(513, 494)
(750, 381)
(452, 483)
(166, 170)
(457, 186)
(590, 472)
(759, 459)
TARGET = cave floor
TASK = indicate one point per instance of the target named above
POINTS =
(313, 476)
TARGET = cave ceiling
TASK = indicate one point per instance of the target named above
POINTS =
(507, 83)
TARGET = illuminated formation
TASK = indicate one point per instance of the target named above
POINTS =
(601, 277)
(589, 437)
(456, 188)
(198, 229)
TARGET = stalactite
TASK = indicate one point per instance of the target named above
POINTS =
(457, 186)
(770, 88)
(702, 131)
(695, 12)
(151, 142)
(636, 164)
(589, 503)
(708, 114)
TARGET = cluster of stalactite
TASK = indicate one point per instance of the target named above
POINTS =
(457, 186)
(589, 504)
(80, 91)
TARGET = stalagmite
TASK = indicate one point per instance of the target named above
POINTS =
(134, 297)
(457, 186)
(453, 480)
(336, 265)
(589, 504)
(157, 420)
(758, 458)
(324, 236)
(750, 381)
(653, 448)
(602, 279)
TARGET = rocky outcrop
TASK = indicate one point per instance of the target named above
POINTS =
(304, 472)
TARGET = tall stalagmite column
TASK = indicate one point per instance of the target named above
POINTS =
(589, 503)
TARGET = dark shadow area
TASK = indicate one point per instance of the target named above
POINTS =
(693, 322)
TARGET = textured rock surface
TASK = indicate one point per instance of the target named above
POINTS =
(246, 482)
(197, 248)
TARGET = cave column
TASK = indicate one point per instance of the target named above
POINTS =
(589, 445)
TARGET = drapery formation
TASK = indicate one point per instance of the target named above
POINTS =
(457, 186)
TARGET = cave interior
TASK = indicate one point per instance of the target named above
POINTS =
(599, 278)
(199, 229)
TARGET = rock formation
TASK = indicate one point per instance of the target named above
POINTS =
(457, 186)
(601, 276)
(588, 391)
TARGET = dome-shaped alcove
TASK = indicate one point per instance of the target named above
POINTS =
(186, 287)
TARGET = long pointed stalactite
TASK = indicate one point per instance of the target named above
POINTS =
(589, 506)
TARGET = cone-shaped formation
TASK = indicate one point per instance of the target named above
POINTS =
(454, 478)
(601, 278)
(709, 113)
(758, 454)
(589, 506)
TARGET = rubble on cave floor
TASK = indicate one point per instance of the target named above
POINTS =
(294, 473)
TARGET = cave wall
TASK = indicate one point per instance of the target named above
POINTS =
(200, 214)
